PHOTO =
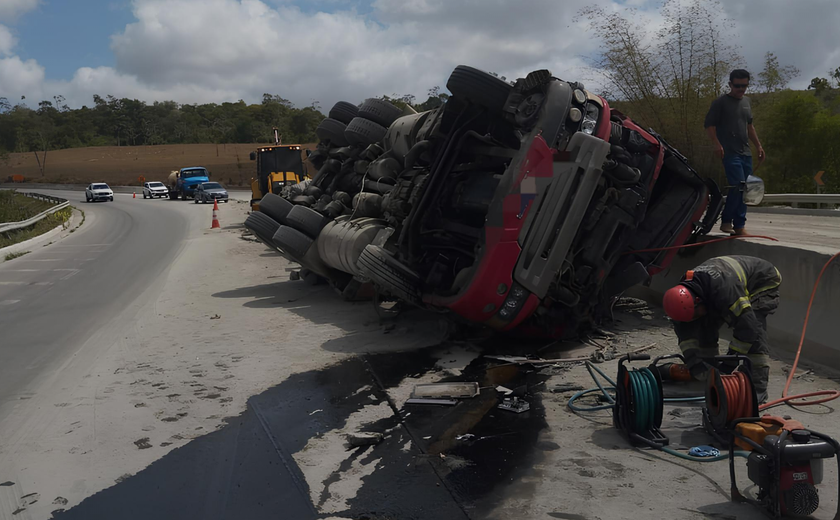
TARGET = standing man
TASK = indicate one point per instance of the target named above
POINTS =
(740, 291)
(729, 124)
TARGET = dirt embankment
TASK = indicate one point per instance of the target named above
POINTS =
(123, 165)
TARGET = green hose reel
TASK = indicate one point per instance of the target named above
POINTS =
(639, 403)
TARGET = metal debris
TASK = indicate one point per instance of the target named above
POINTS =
(504, 390)
(446, 402)
(445, 390)
(514, 404)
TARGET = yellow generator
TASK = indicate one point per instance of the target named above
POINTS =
(278, 165)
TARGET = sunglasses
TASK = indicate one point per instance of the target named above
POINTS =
(740, 85)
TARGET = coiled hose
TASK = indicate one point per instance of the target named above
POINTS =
(645, 397)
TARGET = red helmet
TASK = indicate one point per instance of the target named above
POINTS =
(679, 303)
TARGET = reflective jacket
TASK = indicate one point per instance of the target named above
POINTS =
(729, 286)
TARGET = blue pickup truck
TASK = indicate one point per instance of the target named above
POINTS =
(183, 182)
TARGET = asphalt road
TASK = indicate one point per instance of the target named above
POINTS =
(55, 298)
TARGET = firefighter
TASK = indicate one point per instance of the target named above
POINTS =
(740, 291)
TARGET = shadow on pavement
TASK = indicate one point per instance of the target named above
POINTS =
(247, 469)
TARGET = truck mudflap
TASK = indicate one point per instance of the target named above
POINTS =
(559, 212)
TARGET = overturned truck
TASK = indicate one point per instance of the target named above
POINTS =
(522, 207)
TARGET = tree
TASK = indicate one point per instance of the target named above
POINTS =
(41, 136)
(775, 77)
(671, 76)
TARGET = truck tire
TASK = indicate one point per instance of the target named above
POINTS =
(479, 87)
(306, 220)
(364, 132)
(183, 195)
(379, 111)
(292, 241)
(344, 112)
(275, 207)
(388, 274)
(332, 130)
(262, 226)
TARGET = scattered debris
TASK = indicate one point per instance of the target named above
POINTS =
(514, 404)
(316, 411)
(504, 390)
(566, 387)
(600, 356)
(60, 501)
(465, 437)
(354, 440)
(447, 402)
(445, 390)
(215, 317)
(427, 437)
(520, 360)
(7, 483)
(143, 443)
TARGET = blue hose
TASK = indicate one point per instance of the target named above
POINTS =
(642, 384)
(611, 398)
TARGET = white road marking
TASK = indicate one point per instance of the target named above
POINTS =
(47, 260)
(22, 270)
(8, 302)
(70, 275)
(14, 283)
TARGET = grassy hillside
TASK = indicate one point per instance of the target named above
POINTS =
(122, 165)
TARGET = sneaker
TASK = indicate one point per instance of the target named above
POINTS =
(741, 232)
(727, 228)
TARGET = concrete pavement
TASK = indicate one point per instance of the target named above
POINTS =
(55, 298)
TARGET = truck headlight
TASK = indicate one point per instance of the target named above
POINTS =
(590, 119)
(514, 300)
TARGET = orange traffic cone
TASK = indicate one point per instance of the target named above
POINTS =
(135, 195)
(215, 216)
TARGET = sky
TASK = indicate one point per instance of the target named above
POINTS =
(200, 51)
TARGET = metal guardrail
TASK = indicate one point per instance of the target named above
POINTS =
(59, 205)
(803, 198)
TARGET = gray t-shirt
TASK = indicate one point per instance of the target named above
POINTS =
(730, 117)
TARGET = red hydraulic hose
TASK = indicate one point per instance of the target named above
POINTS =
(698, 244)
(829, 394)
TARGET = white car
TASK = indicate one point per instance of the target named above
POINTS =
(99, 191)
(154, 189)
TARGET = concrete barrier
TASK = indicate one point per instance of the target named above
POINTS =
(799, 269)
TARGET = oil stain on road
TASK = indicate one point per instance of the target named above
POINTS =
(247, 468)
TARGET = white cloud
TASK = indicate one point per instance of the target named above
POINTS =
(7, 41)
(21, 78)
(11, 9)
(224, 50)
(803, 34)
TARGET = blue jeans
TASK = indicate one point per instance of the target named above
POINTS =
(738, 168)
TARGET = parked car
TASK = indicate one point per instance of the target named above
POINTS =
(521, 207)
(98, 191)
(209, 191)
(154, 190)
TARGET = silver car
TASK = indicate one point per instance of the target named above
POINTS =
(210, 191)
(99, 191)
(154, 189)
